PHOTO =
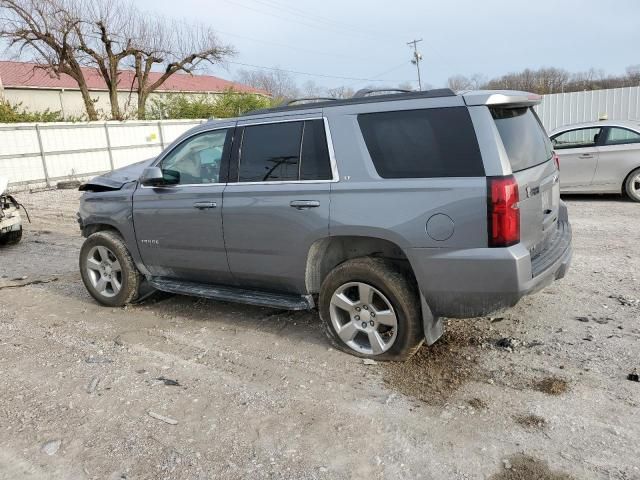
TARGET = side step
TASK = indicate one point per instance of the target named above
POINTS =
(233, 294)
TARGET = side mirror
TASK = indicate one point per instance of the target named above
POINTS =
(155, 177)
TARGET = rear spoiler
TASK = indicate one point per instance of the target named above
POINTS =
(511, 98)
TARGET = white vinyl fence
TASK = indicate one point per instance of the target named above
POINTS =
(46, 153)
(560, 109)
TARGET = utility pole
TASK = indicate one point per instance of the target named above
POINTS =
(417, 57)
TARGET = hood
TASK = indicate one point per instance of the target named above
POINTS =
(115, 179)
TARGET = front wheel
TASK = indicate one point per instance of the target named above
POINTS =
(370, 309)
(632, 185)
(107, 269)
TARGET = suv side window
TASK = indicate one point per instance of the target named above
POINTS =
(285, 151)
(580, 138)
(197, 160)
(621, 136)
(434, 142)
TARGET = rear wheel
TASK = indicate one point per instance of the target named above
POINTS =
(632, 185)
(107, 269)
(370, 309)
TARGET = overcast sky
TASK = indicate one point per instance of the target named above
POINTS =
(367, 39)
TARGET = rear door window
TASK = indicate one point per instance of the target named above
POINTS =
(270, 152)
(429, 143)
(579, 138)
(286, 151)
(621, 136)
(523, 136)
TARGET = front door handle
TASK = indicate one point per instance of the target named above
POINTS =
(586, 155)
(203, 205)
(302, 204)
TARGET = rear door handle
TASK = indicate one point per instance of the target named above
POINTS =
(203, 205)
(301, 204)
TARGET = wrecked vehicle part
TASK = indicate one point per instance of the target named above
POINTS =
(10, 219)
(116, 179)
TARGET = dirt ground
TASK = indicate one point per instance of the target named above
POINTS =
(537, 392)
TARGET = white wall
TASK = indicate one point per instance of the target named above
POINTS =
(559, 109)
(49, 152)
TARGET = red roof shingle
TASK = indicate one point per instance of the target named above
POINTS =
(28, 75)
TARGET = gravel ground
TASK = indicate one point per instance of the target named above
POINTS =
(185, 388)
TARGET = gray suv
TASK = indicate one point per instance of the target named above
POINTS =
(386, 212)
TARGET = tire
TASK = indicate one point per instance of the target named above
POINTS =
(632, 185)
(11, 238)
(390, 287)
(121, 280)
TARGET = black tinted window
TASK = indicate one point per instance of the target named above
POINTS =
(436, 142)
(523, 136)
(315, 154)
(270, 152)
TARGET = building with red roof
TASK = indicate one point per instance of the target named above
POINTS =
(36, 89)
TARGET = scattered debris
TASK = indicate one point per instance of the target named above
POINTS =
(496, 319)
(552, 386)
(368, 361)
(582, 319)
(477, 403)
(169, 382)
(141, 371)
(600, 320)
(633, 376)
(51, 447)
(626, 301)
(531, 421)
(93, 384)
(68, 185)
(524, 467)
(92, 359)
(118, 341)
(32, 282)
(508, 343)
(162, 418)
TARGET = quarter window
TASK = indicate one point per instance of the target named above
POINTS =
(621, 136)
(435, 142)
(581, 138)
(287, 151)
(197, 160)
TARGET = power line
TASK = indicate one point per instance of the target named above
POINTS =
(320, 75)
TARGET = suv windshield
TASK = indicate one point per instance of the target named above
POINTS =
(523, 136)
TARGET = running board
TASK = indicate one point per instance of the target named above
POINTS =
(233, 294)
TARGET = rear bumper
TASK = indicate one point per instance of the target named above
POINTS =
(476, 282)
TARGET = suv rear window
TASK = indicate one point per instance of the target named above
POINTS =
(434, 142)
(523, 136)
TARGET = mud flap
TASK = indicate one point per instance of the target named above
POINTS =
(432, 326)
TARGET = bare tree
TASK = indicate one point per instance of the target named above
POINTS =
(65, 35)
(44, 30)
(173, 46)
(278, 83)
(312, 89)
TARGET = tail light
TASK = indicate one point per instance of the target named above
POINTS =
(556, 159)
(503, 212)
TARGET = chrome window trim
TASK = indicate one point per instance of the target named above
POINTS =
(167, 152)
(327, 133)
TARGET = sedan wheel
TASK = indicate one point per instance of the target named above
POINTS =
(633, 185)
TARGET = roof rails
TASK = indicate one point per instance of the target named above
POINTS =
(287, 102)
(368, 91)
(363, 98)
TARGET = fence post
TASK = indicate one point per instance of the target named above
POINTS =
(106, 131)
(161, 135)
(42, 156)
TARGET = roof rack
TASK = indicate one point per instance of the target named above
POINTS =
(287, 103)
(335, 102)
(368, 91)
